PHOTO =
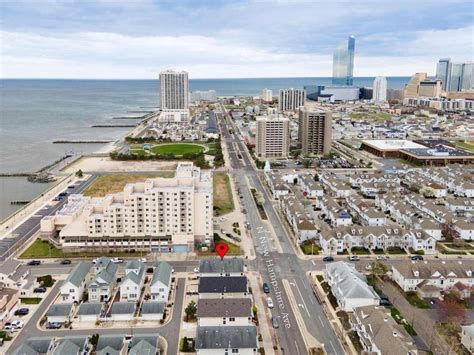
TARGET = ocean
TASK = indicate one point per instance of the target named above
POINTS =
(34, 113)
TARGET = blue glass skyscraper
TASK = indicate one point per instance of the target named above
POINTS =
(343, 63)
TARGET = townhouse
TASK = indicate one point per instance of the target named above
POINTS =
(225, 267)
(463, 207)
(361, 178)
(464, 229)
(337, 215)
(309, 187)
(430, 278)
(349, 287)
(9, 302)
(337, 187)
(224, 312)
(226, 340)
(372, 189)
(380, 334)
(132, 282)
(223, 287)
(369, 216)
(276, 184)
(72, 289)
(161, 282)
(438, 212)
(101, 287)
(298, 218)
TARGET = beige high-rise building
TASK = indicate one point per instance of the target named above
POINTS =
(315, 131)
(420, 86)
(160, 214)
(174, 90)
(267, 95)
(273, 136)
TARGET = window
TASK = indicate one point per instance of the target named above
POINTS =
(235, 351)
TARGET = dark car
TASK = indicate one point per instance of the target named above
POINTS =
(384, 301)
(328, 259)
(65, 262)
(34, 263)
(275, 322)
(63, 194)
(40, 289)
(22, 312)
(416, 257)
(53, 325)
(266, 288)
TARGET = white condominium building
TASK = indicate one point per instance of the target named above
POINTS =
(380, 90)
(159, 214)
(267, 95)
(291, 99)
(273, 136)
(174, 93)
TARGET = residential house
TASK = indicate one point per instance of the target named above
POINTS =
(73, 287)
(101, 287)
(277, 184)
(161, 282)
(122, 311)
(224, 312)
(227, 340)
(35, 346)
(349, 287)
(467, 337)
(298, 218)
(465, 188)
(338, 188)
(132, 282)
(380, 334)
(59, 313)
(464, 228)
(461, 206)
(153, 311)
(223, 287)
(89, 312)
(337, 215)
(111, 345)
(225, 267)
(9, 302)
(144, 344)
(443, 275)
(309, 187)
(72, 345)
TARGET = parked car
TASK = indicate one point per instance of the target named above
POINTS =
(9, 328)
(416, 257)
(143, 260)
(22, 312)
(71, 187)
(270, 302)
(275, 322)
(382, 257)
(40, 289)
(18, 324)
(65, 262)
(34, 263)
(196, 269)
(432, 302)
(117, 260)
(53, 325)
(353, 258)
(328, 259)
(384, 301)
(266, 288)
(62, 194)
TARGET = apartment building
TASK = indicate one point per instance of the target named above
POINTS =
(174, 90)
(315, 131)
(158, 215)
(291, 99)
(267, 95)
(273, 137)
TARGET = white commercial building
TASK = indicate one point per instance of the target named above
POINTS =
(174, 116)
(291, 99)
(209, 95)
(267, 95)
(379, 94)
(174, 93)
(273, 137)
(159, 214)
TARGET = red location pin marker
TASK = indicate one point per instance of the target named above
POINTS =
(222, 249)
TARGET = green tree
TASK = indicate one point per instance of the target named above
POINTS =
(79, 173)
(190, 310)
(379, 269)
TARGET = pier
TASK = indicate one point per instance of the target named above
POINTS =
(127, 117)
(19, 202)
(95, 141)
(113, 126)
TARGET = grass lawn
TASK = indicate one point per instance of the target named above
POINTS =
(212, 149)
(4, 335)
(416, 301)
(360, 251)
(30, 300)
(309, 248)
(177, 149)
(469, 146)
(396, 250)
(234, 249)
(106, 184)
(400, 320)
(223, 201)
(41, 249)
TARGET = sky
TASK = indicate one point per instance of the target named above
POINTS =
(136, 39)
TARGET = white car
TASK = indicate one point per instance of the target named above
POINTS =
(117, 260)
(18, 324)
(142, 260)
(270, 302)
(381, 257)
(196, 269)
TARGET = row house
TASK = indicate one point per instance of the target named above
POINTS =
(368, 214)
(338, 240)
(372, 189)
(73, 287)
(430, 227)
(277, 185)
(460, 206)
(132, 283)
(337, 187)
(299, 219)
(399, 210)
(101, 287)
(434, 276)
(465, 188)
(337, 215)
(439, 213)
(358, 179)
(309, 187)
(433, 189)
(464, 228)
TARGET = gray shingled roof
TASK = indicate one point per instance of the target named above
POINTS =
(162, 273)
(143, 347)
(224, 307)
(151, 338)
(107, 275)
(89, 309)
(233, 265)
(24, 349)
(108, 350)
(114, 341)
(217, 284)
(66, 347)
(40, 345)
(123, 308)
(241, 337)
(78, 274)
(62, 309)
(153, 307)
(131, 275)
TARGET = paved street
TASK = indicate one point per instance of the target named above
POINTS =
(284, 265)
(169, 331)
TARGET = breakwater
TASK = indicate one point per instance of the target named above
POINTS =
(94, 141)
(113, 125)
